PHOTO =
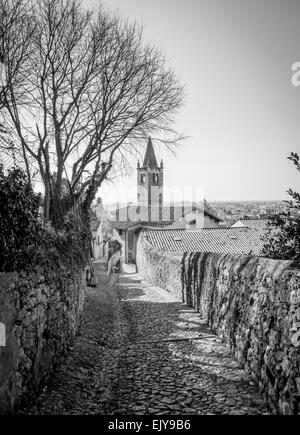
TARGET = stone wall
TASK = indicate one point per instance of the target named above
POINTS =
(158, 268)
(252, 303)
(40, 313)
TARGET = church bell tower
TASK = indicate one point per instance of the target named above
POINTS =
(150, 186)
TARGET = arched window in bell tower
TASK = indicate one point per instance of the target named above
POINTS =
(155, 178)
(143, 178)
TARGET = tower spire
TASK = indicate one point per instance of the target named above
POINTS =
(150, 185)
(150, 159)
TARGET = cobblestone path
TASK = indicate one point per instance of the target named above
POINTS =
(140, 351)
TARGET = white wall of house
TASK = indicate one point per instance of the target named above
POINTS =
(104, 231)
(238, 224)
(99, 248)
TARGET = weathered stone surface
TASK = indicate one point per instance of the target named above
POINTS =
(132, 372)
(252, 303)
(41, 318)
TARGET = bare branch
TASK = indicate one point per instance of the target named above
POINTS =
(82, 90)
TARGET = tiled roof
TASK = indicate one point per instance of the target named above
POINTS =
(207, 211)
(221, 240)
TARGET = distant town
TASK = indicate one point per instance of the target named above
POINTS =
(231, 211)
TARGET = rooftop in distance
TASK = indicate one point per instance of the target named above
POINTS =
(221, 240)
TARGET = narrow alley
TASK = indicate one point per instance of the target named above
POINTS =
(140, 351)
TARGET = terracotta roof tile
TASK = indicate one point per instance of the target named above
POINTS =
(221, 240)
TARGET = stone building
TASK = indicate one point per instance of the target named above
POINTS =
(150, 211)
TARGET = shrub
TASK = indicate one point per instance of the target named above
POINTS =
(24, 241)
(19, 224)
(283, 239)
(68, 246)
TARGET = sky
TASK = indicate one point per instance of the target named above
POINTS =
(241, 111)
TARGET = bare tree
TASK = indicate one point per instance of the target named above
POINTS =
(82, 90)
(16, 31)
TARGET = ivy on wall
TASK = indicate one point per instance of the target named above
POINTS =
(24, 240)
